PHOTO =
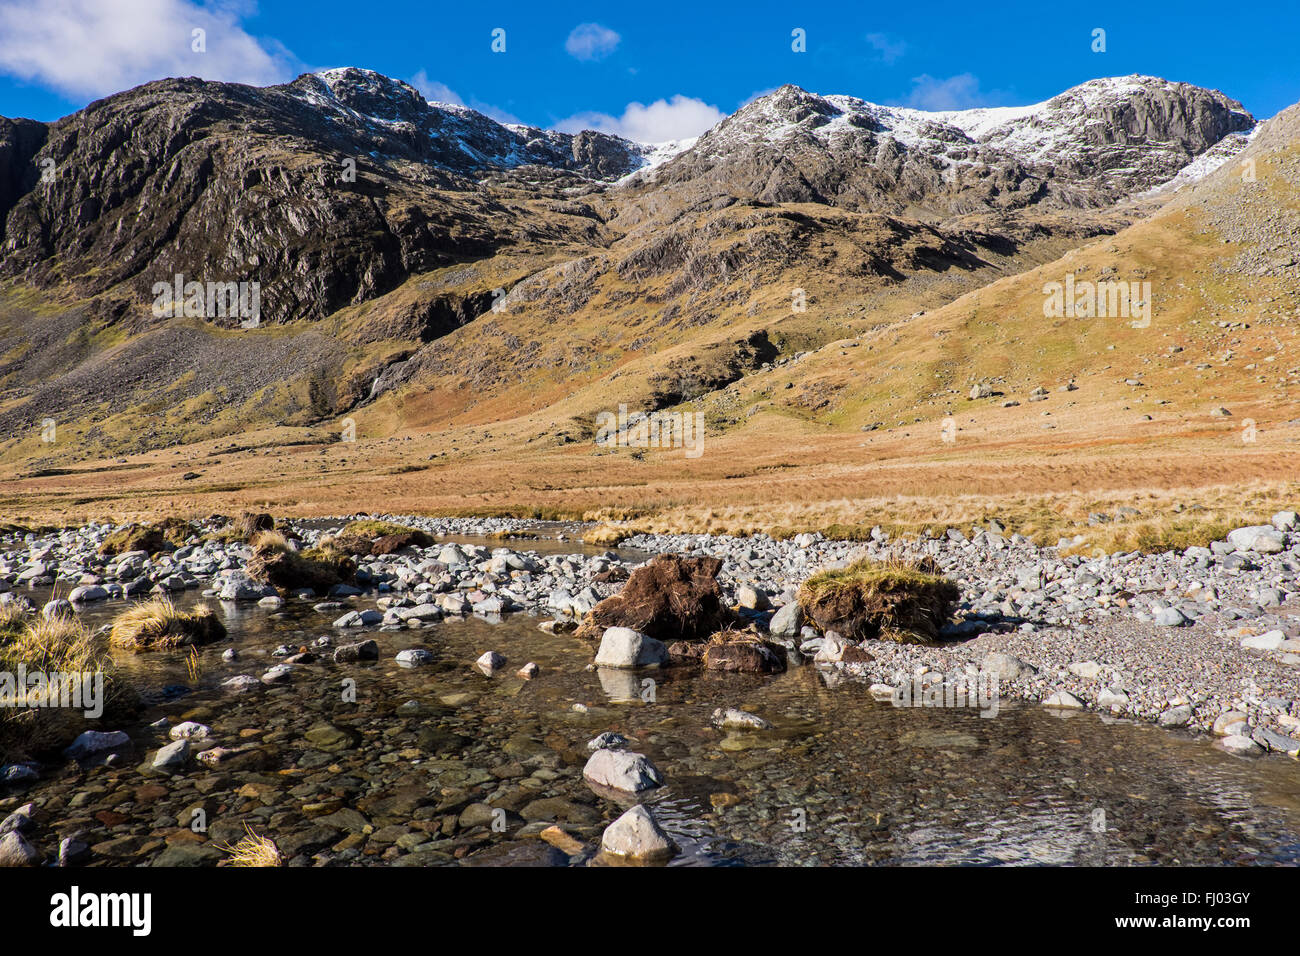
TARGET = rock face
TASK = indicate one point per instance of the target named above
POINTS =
(1089, 146)
(342, 187)
(670, 598)
(209, 166)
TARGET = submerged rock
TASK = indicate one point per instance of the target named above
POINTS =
(621, 770)
(729, 718)
(624, 647)
(636, 836)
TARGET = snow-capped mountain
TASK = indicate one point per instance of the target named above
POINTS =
(1090, 146)
(459, 139)
(185, 175)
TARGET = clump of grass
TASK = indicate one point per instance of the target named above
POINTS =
(13, 616)
(275, 562)
(373, 528)
(166, 535)
(889, 600)
(1155, 536)
(159, 624)
(134, 537)
(54, 644)
(370, 536)
(243, 529)
(62, 645)
(605, 534)
(252, 850)
(193, 666)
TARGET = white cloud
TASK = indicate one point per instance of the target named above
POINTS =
(591, 41)
(435, 91)
(95, 47)
(960, 92)
(659, 122)
(887, 50)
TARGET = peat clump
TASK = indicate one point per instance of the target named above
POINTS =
(735, 652)
(274, 561)
(880, 600)
(167, 535)
(670, 597)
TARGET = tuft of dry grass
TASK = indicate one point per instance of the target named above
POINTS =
(193, 666)
(55, 644)
(13, 616)
(252, 850)
(374, 528)
(606, 534)
(159, 624)
(63, 645)
(1155, 536)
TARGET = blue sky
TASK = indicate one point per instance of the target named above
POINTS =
(655, 70)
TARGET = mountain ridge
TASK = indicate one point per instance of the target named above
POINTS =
(456, 278)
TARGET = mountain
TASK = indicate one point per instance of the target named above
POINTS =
(471, 269)
(1090, 147)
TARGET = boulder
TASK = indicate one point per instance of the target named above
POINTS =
(94, 742)
(637, 837)
(622, 770)
(1004, 666)
(1268, 641)
(360, 651)
(1064, 700)
(16, 851)
(744, 657)
(1262, 539)
(173, 756)
(624, 647)
(786, 621)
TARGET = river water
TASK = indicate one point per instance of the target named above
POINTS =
(841, 779)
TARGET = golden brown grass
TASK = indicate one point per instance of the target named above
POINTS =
(12, 618)
(374, 528)
(62, 645)
(55, 644)
(158, 624)
(606, 534)
(1154, 536)
(252, 850)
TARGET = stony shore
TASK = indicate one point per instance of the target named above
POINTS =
(1207, 639)
(1197, 641)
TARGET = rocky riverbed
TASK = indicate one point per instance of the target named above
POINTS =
(395, 722)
